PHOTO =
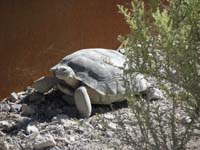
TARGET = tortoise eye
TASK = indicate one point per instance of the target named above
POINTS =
(62, 69)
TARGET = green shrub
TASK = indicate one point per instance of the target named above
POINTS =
(164, 42)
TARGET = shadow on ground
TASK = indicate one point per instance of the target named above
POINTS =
(36, 107)
(53, 104)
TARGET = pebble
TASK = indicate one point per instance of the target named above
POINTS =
(62, 131)
(6, 125)
(68, 123)
(16, 107)
(42, 142)
(32, 129)
(36, 96)
(197, 132)
(4, 145)
(2, 134)
(27, 110)
(14, 97)
(22, 121)
(112, 125)
(4, 107)
(22, 95)
(63, 140)
(60, 117)
(109, 116)
(155, 94)
(109, 134)
(99, 126)
(72, 138)
(186, 120)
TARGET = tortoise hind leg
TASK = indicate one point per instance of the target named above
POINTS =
(82, 101)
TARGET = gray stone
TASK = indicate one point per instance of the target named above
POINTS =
(44, 84)
(16, 107)
(109, 134)
(4, 107)
(2, 134)
(27, 110)
(196, 132)
(155, 94)
(57, 148)
(42, 142)
(22, 121)
(65, 140)
(4, 145)
(36, 97)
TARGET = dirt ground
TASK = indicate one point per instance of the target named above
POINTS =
(31, 121)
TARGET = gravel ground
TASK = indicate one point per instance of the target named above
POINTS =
(32, 121)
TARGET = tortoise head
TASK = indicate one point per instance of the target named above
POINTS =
(62, 71)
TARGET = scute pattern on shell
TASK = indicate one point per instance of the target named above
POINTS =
(100, 69)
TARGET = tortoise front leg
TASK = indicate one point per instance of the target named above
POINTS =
(82, 101)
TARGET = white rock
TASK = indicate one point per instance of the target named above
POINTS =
(187, 119)
(100, 126)
(22, 95)
(72, 138)
(1, 133)
(59, 118)
(196, 132)
(109, 134)
(141, 83)
(4, 145)
(109, 116)
(14, 97)
(155, 94)
(89, 125)
(68, 123)
(112, 125)
(32, 129)
(42, 142)
(4, 124)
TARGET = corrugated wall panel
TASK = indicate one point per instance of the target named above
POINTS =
(35, 34)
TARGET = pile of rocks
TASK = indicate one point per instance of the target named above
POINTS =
(30, 120)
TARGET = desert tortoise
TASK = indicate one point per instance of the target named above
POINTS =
(92, 76)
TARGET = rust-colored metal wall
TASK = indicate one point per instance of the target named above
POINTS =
(35, 34)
